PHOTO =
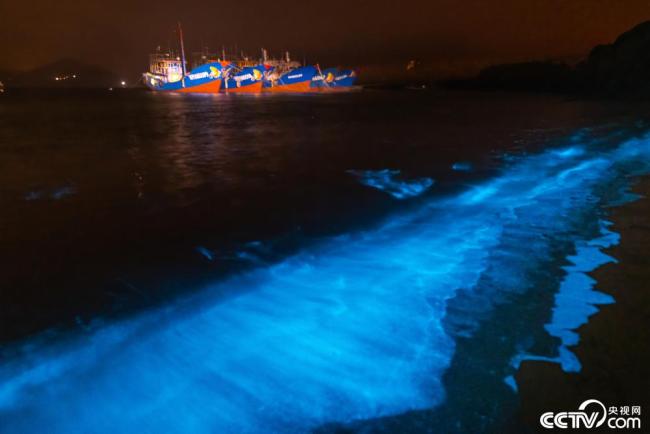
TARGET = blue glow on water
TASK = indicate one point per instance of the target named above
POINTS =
(247, 256)
(349, 329)
(577, 299)
(54, 194)
(462, 166)
(325, 336)
(510, 381)
(387, 180)
(205, 252)
(62, 192)
(572, 151)
(34, 195)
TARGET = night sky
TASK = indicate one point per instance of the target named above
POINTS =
(452, 34)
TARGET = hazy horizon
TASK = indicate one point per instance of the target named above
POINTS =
(451, 38)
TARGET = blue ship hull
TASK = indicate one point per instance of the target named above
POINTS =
(333, 79)
(296, 80)
(247, 80)
(345, 78)
(203, 79)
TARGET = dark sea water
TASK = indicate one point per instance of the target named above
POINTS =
(379, 261)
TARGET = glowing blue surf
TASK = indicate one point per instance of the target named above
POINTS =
(576, 299)
(387, 180)
(358, 327)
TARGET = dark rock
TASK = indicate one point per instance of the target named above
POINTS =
(621, 68)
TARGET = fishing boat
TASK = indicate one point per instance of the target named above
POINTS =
(239, 74)
(324, 79)
(243, 80)
(297, 80)
(345, 78)
(285, 75)
(168, 73)
(333, 79)
(170, 77)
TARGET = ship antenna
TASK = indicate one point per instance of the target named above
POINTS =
(180, 37)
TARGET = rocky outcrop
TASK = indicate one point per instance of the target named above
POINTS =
(621, 68)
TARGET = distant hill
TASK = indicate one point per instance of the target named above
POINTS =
(621, 69)
(65, 73)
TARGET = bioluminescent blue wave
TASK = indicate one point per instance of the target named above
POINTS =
(387, 180)
(360, 326)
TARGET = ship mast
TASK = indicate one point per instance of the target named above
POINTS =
(180, 37)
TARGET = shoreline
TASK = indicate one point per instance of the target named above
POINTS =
(614, 347)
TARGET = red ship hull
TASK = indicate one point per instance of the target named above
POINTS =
(212, 87)
(302, 87)
(250, 88)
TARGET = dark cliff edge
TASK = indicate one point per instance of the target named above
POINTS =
(619, 70)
